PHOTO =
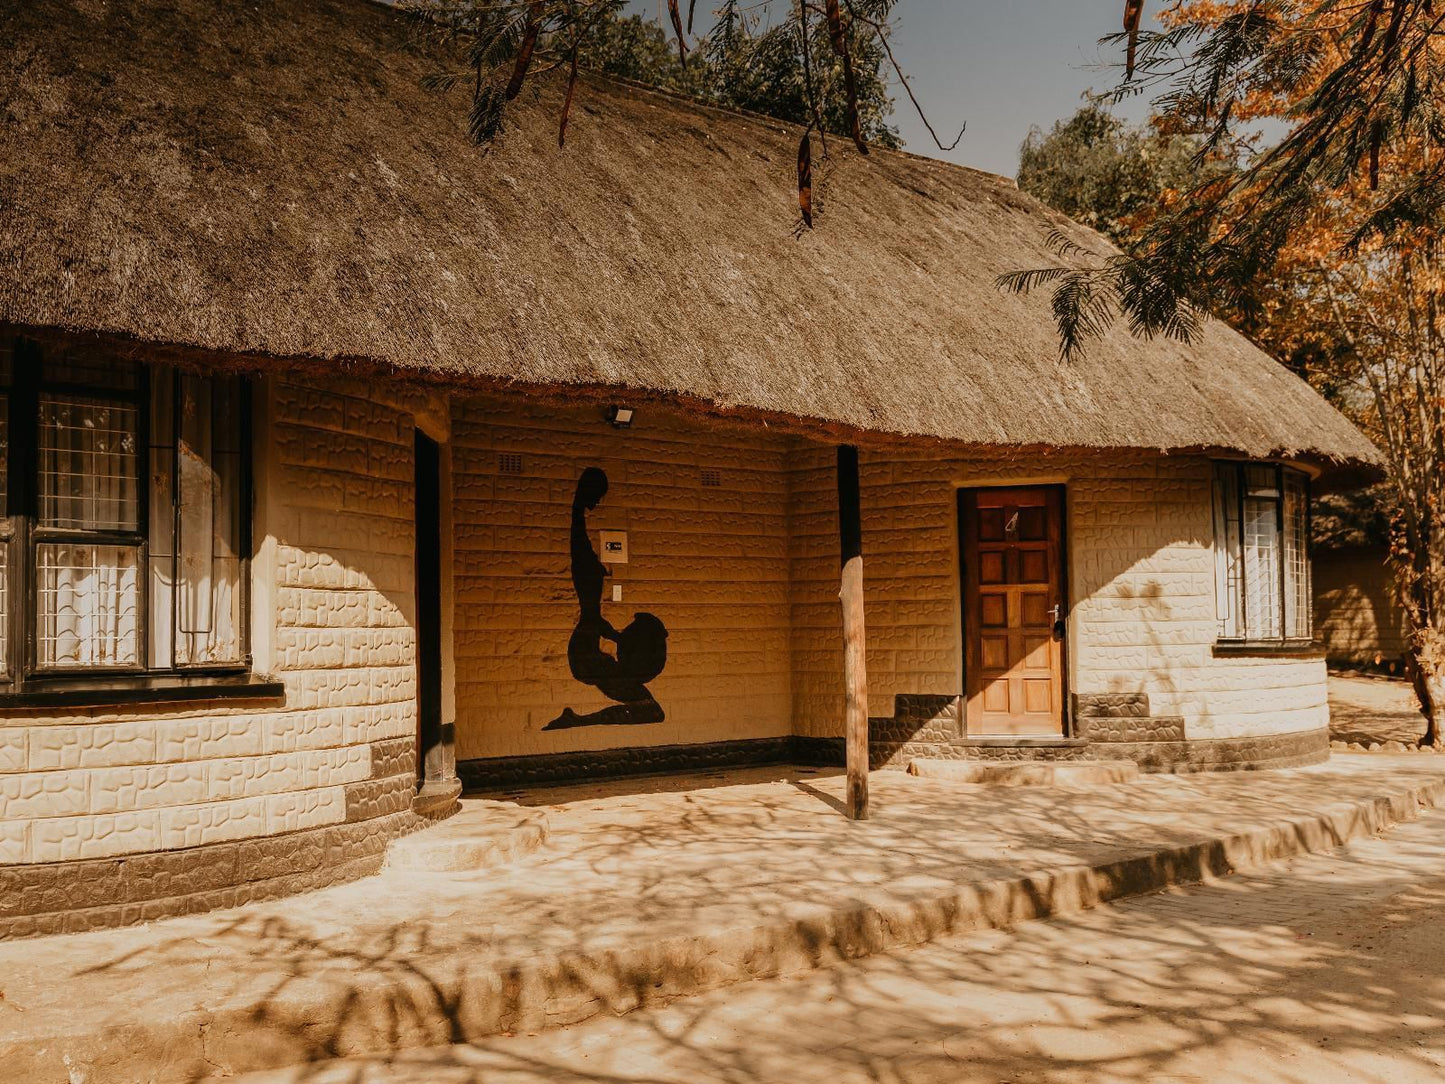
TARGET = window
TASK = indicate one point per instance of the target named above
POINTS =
(122, 550)
(1262, 572)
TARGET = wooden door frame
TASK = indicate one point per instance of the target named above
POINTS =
(1066, 713)
(428, 594)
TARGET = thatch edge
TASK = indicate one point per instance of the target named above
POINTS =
(1332, 472)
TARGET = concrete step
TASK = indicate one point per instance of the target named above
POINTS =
(1255, 958)
(330, 996)
(482, 834)
(1080, 773)
(486, 997)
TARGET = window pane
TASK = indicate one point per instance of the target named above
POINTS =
(88, 452)
(1228, 568)
(208, 569)
(87, 601)
(4, 609)
(1261, 569)
(4, 455)
(90, 368)
(1296, 558)
(1261, 481)
(5, 529)
(162, 554)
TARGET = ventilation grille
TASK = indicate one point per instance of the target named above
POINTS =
(509, 462)
(711, 478)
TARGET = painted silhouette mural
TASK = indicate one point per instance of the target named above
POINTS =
(640, 648)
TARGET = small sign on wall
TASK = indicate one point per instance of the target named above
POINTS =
(614, 547)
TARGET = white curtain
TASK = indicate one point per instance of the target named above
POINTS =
(208, 561)
(88, 594)
(1228, 574)
(1261, 568)
(1297, 612)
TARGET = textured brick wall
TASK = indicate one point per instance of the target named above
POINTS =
(709, 560)
(334, 602)
(1141, 585)
(1356, 615)
(733, 545)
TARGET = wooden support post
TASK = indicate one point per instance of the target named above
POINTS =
(855, 673)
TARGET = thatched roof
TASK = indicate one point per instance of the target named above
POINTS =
(271, 177)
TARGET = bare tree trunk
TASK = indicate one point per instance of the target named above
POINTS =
(1430, 691)
(1418, 578)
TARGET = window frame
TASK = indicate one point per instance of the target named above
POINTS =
(22, 679)
(1247, 643)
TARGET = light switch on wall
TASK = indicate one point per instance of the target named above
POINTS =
(616, 592)
(614, 547)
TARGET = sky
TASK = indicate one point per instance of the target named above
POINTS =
(994, 67)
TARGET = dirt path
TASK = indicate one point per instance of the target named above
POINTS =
(1324, 969)
(638, 898)
(1371, 708)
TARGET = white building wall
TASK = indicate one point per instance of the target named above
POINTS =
(743, 571)
(333, 621)
(1141, 586)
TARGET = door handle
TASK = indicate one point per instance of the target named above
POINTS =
(1057, 613)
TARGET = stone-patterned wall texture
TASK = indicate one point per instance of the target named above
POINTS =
(733, 544)
(338, 749)
(1356, 615)
(704, 508)
(1141, 589)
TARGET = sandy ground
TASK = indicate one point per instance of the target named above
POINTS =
(746, 862)
(1371, 708)
(1328, 968)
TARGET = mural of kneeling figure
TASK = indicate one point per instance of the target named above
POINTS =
(641, 647)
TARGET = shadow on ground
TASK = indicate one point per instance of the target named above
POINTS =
(1329, 970)
(1368, 708)
(640, 897)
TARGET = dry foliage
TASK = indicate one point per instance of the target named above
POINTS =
(1362, 311)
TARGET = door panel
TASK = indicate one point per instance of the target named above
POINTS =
(1014, 587)
(990, 568)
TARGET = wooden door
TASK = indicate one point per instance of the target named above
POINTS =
(1013, 608)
